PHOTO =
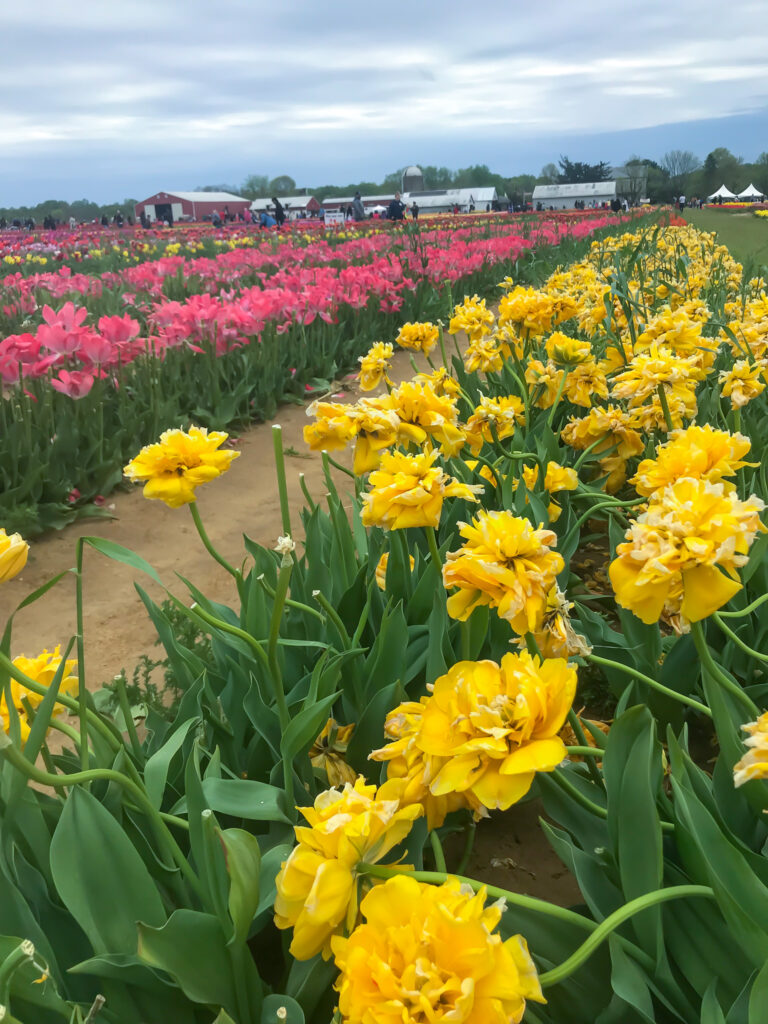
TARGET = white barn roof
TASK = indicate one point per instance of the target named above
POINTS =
(348, 200)
(431, 198)
(578, 190)
(289, 202)
(208, 197)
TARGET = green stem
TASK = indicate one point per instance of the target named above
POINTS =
(442, 349)
(437, 850)
(14, 756)
(585, 751)
(470, 831)
(572, 791)
(466, 648)
(590, 448)
(613, 921)
(708, 662)
(307, 496)
(130, 725)
(24, 953)
(681, 697)
(298, 605)
(665, 408)
(338, 465)
(233, 572)
(433, 549)
(82, 693)
(745, 611)
(277, 443)
(588, 515)
(198, 614)
(283, 580)
(737, 639)
(334, 616)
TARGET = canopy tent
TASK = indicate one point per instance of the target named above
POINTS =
(750, 192)
(723, 193)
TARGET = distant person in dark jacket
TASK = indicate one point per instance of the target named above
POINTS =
(279, 212)
(415, 211)
(396, 209)
(358, 210)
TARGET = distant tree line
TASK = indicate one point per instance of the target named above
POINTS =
(678, 172)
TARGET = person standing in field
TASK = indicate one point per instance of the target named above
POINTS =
(681, 203)
(396, 208)
(279, 212)
(358, 210)
(415, 211)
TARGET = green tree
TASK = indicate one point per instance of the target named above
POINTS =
(255, 186)
(679, 164)
(548, 175)
(576, 171)
(282, 185)
(520, 187)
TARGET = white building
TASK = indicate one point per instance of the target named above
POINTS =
(564, 197)
(445, 200)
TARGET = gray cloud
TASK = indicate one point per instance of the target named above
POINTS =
(92, 92)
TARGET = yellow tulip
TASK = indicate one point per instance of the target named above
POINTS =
(14, 551)
(374, 365)
(179, 463)
(328, 750)
(480, 737)
(670, 563)
(494, 415)
(742, 383)
(701, 453)
(505, 563)
(431, 953)
(421, 337)
(381, 569)
(560, 478)
(317, 884)
(567, 351)
(408, 490)
(754, 764)
(42, 670)
(472, 317)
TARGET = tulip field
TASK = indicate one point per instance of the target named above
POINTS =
(544, 578)
(106, 338)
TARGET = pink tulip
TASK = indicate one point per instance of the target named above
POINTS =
(76, 383)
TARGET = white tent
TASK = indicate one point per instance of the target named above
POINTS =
(750, 192)
(723, 193)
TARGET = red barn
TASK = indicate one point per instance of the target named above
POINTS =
(175, 206)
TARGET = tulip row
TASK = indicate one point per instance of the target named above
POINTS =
(582, 482)
(222, 338)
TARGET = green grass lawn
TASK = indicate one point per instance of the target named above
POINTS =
(745, 235)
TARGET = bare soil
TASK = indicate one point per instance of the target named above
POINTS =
(510, 849)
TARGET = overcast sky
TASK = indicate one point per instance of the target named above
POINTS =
(115, 98)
